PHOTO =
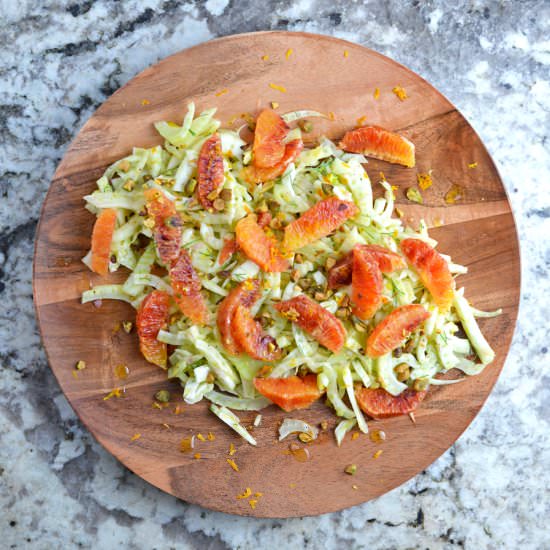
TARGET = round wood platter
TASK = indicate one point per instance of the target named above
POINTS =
(233, 75)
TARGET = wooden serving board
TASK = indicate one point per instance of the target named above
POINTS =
(230, 74)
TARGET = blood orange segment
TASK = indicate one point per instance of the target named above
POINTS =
(209, 171)
(269, 135)
(376, 142)
(317, 222)
(152, 315)
(264, 219)
(320, 323)
(258, 174)
(228, 249)
(289, 393)
(390, 333)
(251, 338)
(366, 285)
(378, 403)
(388, 261)
(102, 235)
(168, 226)
(186, 285)
(246, 295)
(433, 270)
(261, 248)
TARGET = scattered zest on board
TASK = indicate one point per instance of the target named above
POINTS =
(315, 287)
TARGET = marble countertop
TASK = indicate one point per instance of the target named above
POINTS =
(60, 60)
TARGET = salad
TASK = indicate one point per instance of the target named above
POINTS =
(267, 273)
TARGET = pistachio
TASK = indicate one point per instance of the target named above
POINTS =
(351, 469)
(298, 259)
(127, 326)
(190, 187)
(219, 204)
(305, 125)
(213, 194)
(275, 223)
(330, 263)
(295, 275)
(359, 327)
(342, 313)
(327, 188)
(226, 194)
(80, 365)
(163, 396)
(274, 206)
(420, 384)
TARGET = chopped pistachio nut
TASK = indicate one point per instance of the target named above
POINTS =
(274, 206)
(413, 194)
(351, 469)
(330, 263)
(190, 187)
(127, 326)
(219, 205)
(342, 313)
(305, 125)
(298, 259)
(149, 223)
(420, 384)
(80, 365)
(163, 396)
(274, 104)
(359, 327)
(226, 194)
(327, 188)
(129, 185)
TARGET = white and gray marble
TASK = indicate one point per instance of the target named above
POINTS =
(59, 61)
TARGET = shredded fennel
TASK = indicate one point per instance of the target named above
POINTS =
(203, 366)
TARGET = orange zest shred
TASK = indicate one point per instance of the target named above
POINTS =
(354, 436)
(247, 492)
(400, 93)
(210, 436)
(376, 93)
(201, 437)
(253, 503)
(74, 373)
(424, 181)
(331, 116)
(232, 449)
(233, 464)
(277, 87)
(292, 485)
(274, 105)
(265, 57)
(117, 392)
(156, 405)
(167, 426)
(178, 409)
(346, 53)
(472, 165)
(377, 453)
(361, 121)
(135, 436)
(258, 495)
(289, 52)
(145, 102)
(197, 456)
(221, 92)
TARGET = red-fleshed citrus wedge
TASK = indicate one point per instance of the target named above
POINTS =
(264, 219)
(376, 142)
(209, 171)
(393, 329)
(228, 249)
(366, 285)
(258, 246)
(258, 174)
(317, 222)
(102, 235)
(251, 338)
(320, 323)
(378, 403)
(186, 285)
(290, 393)
(168, 227)
(433, 270)
(388, 261)
(152, 315)
(269, 135)
(246, 295)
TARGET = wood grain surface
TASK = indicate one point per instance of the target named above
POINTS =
(477, 231)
